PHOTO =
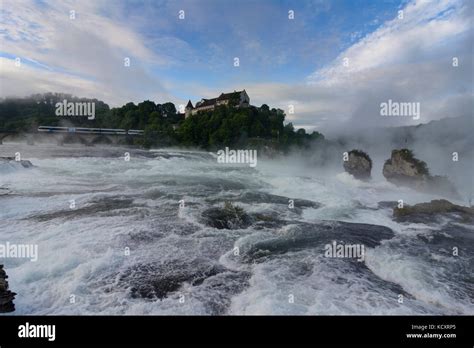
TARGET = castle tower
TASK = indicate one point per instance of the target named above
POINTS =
(188, 109)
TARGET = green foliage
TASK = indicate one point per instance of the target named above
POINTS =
(233, 210)
(162, 125)
(228, 126)
(26, 114)
(421, 166)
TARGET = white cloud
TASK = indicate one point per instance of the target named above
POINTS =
(405, 60)
(25, 80)
(425, 26)
(86, 51)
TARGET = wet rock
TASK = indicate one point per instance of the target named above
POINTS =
(263, 197)
(270, 220)
(359, 165)
(317, 235)
(107, 206)
(223, 288)
(12, 161)
(258, 197)
(433, 211)
(229, 217)
(386, 204)
(159, 280)
(404, 169)
(6, 296)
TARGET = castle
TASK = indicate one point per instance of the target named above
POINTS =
(235, 99)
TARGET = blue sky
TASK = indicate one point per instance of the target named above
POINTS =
(269, 45)
(282, 61)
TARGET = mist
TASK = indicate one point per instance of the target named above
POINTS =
(435, 143)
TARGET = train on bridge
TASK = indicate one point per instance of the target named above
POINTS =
(82, 130)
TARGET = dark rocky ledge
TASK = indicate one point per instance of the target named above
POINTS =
(6, 296)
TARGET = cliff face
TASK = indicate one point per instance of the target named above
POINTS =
(6, 296)
(404, 169)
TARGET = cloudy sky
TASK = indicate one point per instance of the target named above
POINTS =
(335, 62)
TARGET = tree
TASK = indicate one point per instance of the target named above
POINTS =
(147, 107)
(301, 132)
(155, 118)
(130, 120)
(168, 110)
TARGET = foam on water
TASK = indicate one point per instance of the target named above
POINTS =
(135, 205)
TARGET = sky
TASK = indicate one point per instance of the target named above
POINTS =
(333, 63)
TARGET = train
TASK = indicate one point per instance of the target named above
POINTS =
(82, 130)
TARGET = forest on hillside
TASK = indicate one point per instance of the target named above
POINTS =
(163, 125)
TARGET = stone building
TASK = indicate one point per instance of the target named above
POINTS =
(236, 99)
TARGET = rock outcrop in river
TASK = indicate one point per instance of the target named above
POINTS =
(358, 164)
(428, 212)
(6, 296)
(404, 169)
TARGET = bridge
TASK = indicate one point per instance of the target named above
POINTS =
(62, 135)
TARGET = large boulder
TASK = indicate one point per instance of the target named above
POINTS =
(358, 164)
(404, 169)
(6, 296)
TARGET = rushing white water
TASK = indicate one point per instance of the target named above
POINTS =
(179, 265)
